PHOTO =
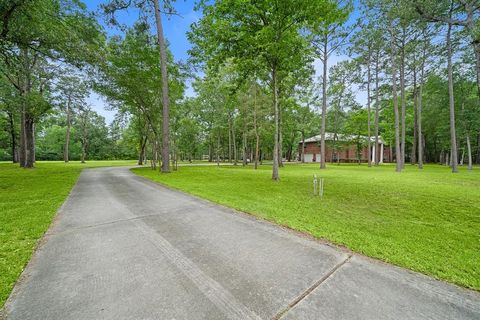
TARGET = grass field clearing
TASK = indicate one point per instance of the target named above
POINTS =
(427, 221)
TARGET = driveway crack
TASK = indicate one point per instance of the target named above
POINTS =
(302, 296)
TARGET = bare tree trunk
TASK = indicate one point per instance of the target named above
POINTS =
(419, 109)
(324, 105)
(244, 147)
(25, 89)
(229, 138)
(21, 155)
(143, 142)
(420, 139)
(84, 139)
(275, 175)
(413, 156)
(476, 49)
(453, 137)
(369, 79)
(154, 153)
(280, 136)
(469, 152)
(235, 155)
(67, 133)
(82, 159)
(13, 137)
(377, 107)
(33, 144)
(218, 149)
(398, 151)
(478, 148)
(402, 94)
(30, 144)
(257, 138)
(165, 98)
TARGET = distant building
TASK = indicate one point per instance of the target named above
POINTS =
(343, 148)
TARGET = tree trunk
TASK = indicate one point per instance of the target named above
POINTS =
(257, 150)
(280, 135)
(143, 142)
(453, 138)
(402, 94)
(229, 138)
(377, 108)
(26, 125)
(84, 139)
(30, 144)
(413, 156)
(244, 147)
(218, 149)
(369, 153)
(478, 148)
(476, 49)
(469, 152)
(165, 98)
(257, 138)
(235, 157)
(275, 175)
(13, 137)
(419, 108)
(324, 105)
(82, 159)
(398, 151)
(67, 133)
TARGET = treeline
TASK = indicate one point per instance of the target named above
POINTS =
(257, 96)
(417, 62)
(44, 44)
(54, 53)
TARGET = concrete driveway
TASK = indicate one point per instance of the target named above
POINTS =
(125, 248)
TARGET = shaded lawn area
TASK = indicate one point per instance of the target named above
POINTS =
(427, 221)
(29, 199)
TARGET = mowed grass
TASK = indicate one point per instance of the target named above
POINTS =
(29, 199)
(427, 221)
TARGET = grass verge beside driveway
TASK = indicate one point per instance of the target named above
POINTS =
(427, 221)
(29, 199)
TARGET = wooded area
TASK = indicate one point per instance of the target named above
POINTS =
(252, 68)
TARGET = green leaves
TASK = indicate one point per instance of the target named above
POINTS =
(253, 33)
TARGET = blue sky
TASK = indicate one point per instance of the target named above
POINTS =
(175, 29)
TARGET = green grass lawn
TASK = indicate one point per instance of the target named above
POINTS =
(29, 199)
(427, 221)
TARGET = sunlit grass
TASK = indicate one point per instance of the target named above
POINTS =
(428, 221)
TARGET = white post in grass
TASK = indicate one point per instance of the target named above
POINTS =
(314, 184)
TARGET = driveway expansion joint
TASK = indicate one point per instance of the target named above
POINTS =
(100, 225)
(297, 300)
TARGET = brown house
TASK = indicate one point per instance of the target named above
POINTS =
(342, 148)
